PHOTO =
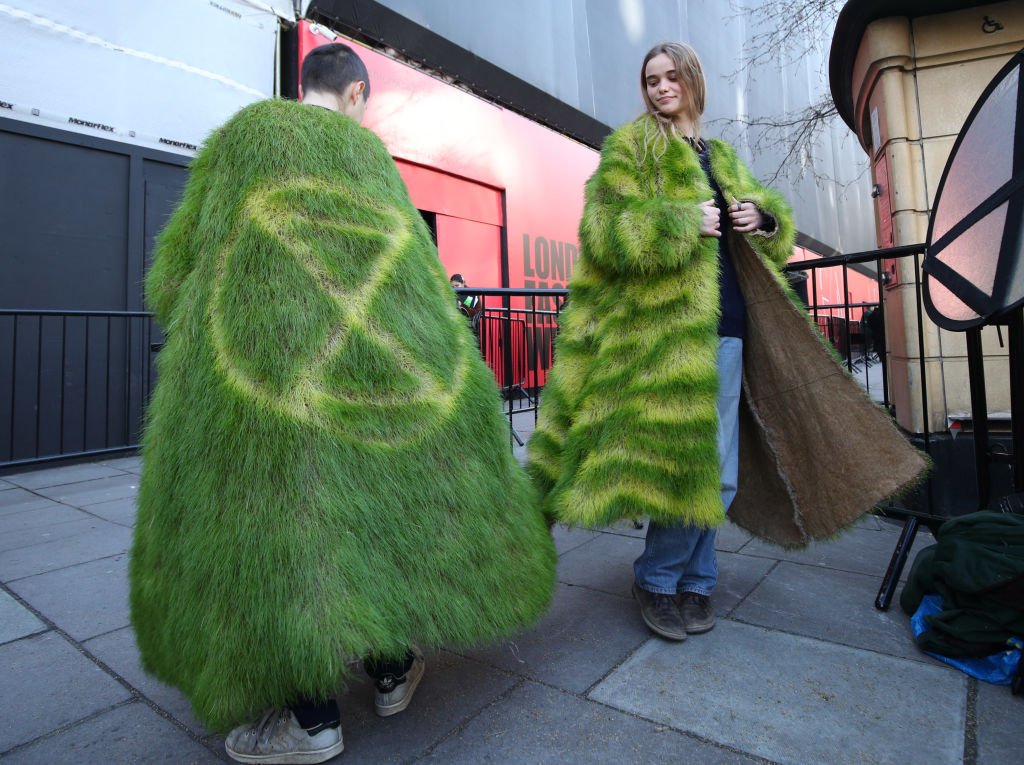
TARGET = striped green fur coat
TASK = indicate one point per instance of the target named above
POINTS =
(326, 469)
(628, 420)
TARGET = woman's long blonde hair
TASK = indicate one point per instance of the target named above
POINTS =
(691, 74)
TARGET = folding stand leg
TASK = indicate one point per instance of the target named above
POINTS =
(511, 428)
(896, 564)
(516, 436)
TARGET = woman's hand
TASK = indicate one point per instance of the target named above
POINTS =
(712, 222)
(745, 217)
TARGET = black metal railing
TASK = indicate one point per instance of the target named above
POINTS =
(842, 323)
(949, 489)
(75, 384)
(516, 329)
(857, 331)
(72, 383)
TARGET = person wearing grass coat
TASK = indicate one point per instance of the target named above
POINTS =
(686, 382)
(307, 497)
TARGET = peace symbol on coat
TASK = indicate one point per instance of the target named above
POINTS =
(296, 322)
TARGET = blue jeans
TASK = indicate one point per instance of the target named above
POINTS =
(681, 558)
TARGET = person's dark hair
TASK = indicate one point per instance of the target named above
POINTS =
(331, 68)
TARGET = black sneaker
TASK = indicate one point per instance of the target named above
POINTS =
(392, 694)
(697, 613)
(660, 613)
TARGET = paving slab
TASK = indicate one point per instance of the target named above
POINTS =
(604, 564)
(738, 576)
(523, 422)
(894, 527)
(583, 636)
(897, 524)
(795, 700)
(731, 538)
(520, 454)
(119, 651)
(131, 464)
(120, 511)
(628, 528)
(1000, 725)
(44, 516)
(453, 689)
(889, 525)
(762, 684)
(92, 492)
(68, 522)
(84, 600)
(859, 550)
(829, 605)
(54, 685)
(869, 521)
(544, 726)
(16, 621)
(101, 540)
(132, 733)
(18, 500)
(66, 474)
(570, 538)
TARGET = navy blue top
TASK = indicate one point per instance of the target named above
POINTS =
(733, 321)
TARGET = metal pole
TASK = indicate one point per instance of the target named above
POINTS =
(85, 391)
(814, 299)
(979, 414)
(106, 390)
(14, 380)
(883, 356)
(1016, 351)
(846, 319)
(39, 379)
(63, 367)
(920, 353)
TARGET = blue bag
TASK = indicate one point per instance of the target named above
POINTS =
(998, 668)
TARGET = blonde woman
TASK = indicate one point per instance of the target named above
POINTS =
(640, 413)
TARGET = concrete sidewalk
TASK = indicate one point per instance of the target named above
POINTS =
(801, 668)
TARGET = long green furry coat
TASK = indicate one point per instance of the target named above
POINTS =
(326, 470)
(628, 421)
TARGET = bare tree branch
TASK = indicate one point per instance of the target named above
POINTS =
(785, 31)
(797, 133)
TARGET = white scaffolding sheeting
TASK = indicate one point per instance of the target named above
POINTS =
(148, 73)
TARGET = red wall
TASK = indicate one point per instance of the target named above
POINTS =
(460, 155)
(829, 284)
(507, 192)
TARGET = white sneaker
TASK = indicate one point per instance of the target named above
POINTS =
(393, 694)
(278, 739)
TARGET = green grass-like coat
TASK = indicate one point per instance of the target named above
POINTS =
(326, 469)
(628, 421)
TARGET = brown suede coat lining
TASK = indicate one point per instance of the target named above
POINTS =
(815, 452)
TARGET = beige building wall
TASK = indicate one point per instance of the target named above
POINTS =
(914, 84)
